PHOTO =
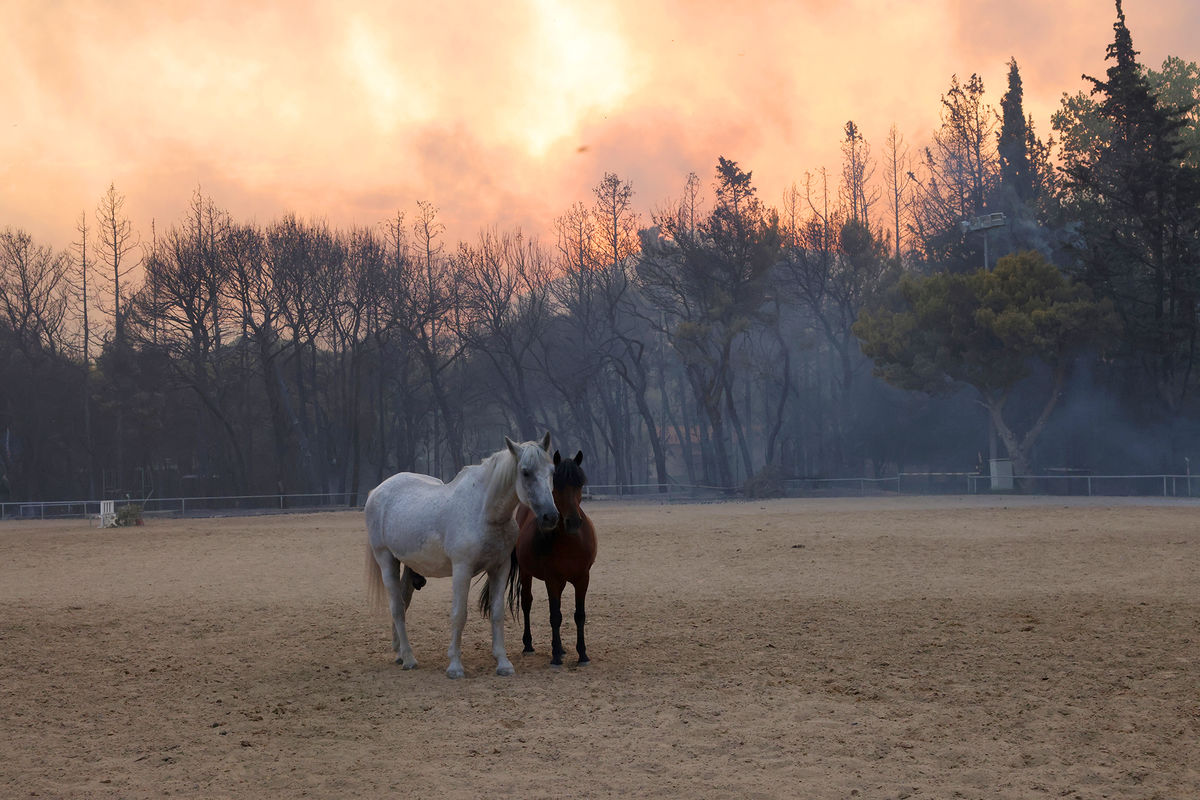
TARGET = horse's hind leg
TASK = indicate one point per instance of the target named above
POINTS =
(555, 590)
(400, 589)
(581, 587)
(526, 604)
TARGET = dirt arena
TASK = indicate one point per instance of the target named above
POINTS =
(879, 648)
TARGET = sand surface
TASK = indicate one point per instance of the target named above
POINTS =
(879, 648)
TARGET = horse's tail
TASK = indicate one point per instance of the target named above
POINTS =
(376, 592)
(485, 592)
(514, 574)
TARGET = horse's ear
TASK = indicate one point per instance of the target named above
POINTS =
(512, 447)
(546, 442)
(578, 458)
(557, 458)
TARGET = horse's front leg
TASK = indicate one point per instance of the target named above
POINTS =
(461, 586)
(554, 588)
(581, 587)
(497, 580)
(526, 604)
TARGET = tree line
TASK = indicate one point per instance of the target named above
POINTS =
(882, 318)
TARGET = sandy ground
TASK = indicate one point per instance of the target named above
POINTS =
(883, 648)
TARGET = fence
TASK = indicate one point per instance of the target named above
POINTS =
(184, 506)
(912, 483)
(925, 483)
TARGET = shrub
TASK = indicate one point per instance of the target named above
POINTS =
(768, 482)
(130, 514)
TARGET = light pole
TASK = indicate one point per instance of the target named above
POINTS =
(984, 222)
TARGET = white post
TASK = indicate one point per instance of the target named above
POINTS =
(108, 514)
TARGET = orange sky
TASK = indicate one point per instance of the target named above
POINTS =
(501, 112)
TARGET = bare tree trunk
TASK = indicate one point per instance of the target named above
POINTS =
(633, 373)
(681, 425)
(735, 422)
(785, 389)
(86, 376)
(711, 403)
(1019, 448)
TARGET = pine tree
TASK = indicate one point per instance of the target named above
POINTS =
(1139, 204)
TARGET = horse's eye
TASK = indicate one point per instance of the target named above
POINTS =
(527, 473)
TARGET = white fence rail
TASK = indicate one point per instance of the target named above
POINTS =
(914, 483)
(924, 483)
(183, 506)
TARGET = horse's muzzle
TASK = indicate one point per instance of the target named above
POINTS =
(572, 525)
(548, 521)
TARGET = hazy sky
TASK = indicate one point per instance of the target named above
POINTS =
(501, 112)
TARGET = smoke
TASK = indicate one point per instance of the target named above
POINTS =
(496, 113)
(1113, 434)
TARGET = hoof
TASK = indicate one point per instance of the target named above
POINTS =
(455, 673)
(527, 650)
(505, 670)
(406, 664)
(583, 662)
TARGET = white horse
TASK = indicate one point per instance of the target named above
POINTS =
(457, 529)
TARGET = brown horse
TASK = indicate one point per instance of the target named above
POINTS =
(558, 556)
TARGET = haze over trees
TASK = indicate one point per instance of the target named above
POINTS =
(848, 328)
(990, 330)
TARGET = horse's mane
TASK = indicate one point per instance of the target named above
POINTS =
(499, 470)
(568, 473)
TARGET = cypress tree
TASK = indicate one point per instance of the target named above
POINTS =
(1014, 138)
